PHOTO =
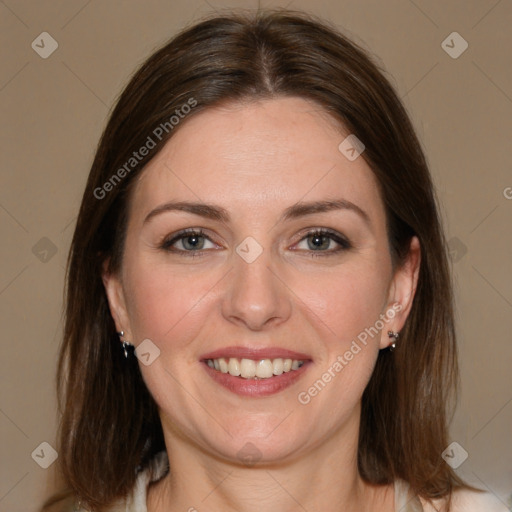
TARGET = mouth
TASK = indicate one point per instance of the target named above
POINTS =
(254, 369)
(255, 372)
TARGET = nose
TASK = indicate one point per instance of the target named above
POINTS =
(256, 295)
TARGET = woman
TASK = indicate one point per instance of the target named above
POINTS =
(259, 307)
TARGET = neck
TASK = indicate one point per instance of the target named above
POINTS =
(323, 479)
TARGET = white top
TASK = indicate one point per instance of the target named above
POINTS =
(405, 501)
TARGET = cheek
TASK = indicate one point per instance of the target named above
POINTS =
(163, 304)
(346, 307)
(347, 302)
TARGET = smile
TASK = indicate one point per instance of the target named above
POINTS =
(255, 372)
(254, 369)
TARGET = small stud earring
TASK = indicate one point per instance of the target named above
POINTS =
(394, 336)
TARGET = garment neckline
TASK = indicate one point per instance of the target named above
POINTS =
(405, 499)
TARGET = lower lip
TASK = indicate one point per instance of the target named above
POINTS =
(257, 387)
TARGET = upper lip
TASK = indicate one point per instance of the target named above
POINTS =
(255, 353)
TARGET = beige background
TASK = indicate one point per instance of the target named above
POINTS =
(52, 113)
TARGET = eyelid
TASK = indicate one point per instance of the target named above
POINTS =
(169, 240)
(322, 231)
(342, 241)
(344, 244)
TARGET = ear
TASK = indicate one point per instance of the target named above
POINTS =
(116, 301)
(401, 292)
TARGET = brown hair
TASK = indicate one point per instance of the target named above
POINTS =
(110, 425)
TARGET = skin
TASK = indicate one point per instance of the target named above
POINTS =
(254, 159)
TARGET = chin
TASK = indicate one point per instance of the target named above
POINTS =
(259, 445)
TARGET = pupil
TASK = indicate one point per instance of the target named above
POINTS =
(195, 242)
(317, 241)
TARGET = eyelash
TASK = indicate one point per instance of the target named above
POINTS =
(320, 232)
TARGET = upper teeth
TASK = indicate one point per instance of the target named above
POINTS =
(249, 368)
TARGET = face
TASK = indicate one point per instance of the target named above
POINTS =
(289, 259)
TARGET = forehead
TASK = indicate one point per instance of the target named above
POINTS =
(255, 157)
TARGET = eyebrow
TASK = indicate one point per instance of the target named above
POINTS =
(214, 212)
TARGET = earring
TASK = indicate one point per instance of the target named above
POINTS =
(394, 336)
(125, 343)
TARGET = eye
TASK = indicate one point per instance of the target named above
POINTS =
(324, 241)
(319, 242)
(188, 241)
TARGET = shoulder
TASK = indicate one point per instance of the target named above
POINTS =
(62, 502)
(465, 500)
(157, 467)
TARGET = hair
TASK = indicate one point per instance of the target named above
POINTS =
(110, 425)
